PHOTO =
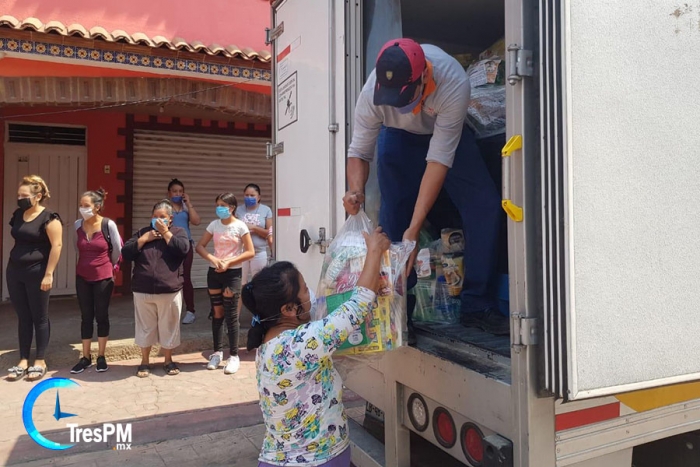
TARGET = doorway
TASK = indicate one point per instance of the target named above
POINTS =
(59, 156)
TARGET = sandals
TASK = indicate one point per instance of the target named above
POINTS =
(171, 369)
(35, 373)
(143, 371)
(16, 373)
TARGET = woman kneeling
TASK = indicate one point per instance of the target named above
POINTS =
(301, 394)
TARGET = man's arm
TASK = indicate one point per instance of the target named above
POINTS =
(441, 153)
(430, 186)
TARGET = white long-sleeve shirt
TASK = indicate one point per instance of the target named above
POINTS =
(442, 115)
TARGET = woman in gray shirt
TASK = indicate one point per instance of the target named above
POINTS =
(258, 218)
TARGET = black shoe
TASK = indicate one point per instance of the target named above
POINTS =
(102, 364)
(81, 365)
(411, 335)
(491, 321)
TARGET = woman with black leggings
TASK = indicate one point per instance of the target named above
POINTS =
(99, 247)
(233, 246)
(37, 232)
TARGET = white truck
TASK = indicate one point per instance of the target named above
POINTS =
(599, 178)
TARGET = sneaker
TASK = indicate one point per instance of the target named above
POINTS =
(189, 318)
(232, 365)
(102, 364)
(82, 364)
(215, 360)
(491, 321)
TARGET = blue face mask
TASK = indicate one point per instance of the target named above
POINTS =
(409, 108)
(250, 201)
(155, 219)
(223, 212)
(176, 199)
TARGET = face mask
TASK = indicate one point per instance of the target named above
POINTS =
(24, 203)
(409, 108)
(176, 199)
(86, 213)
(313, 311)
(250, 201)
(223, 212)
(154, 220)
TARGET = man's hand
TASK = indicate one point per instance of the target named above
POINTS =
(352, 201)
(412, 235)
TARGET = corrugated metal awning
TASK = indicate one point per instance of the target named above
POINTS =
(137, 38)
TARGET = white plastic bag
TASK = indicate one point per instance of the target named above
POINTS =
(345, 258)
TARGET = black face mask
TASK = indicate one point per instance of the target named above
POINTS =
(24, 203)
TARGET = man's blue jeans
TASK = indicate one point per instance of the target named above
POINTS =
(468, 187)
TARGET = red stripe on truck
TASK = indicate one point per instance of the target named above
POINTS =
(284, 212)
(284, 53)
(566, 421)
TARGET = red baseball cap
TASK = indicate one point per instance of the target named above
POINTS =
(400, 65)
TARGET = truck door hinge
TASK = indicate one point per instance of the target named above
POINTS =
(274, 33)
(525, 330)
(274, 149)
(520, 63)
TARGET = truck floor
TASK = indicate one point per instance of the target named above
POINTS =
(469, 347)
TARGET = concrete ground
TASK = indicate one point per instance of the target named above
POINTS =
(65, 344)
(197, 418)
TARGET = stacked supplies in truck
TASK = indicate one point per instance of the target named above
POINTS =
(487, 105)
(440, 269)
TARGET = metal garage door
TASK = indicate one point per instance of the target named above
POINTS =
(206, 164)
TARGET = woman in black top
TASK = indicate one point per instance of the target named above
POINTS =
(37, 232)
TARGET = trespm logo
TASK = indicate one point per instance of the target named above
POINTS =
(103, 434)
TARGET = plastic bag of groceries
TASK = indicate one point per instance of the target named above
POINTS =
(487, 110)
(383, 328)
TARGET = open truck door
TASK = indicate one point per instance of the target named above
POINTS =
(308, 128)
(620, 177)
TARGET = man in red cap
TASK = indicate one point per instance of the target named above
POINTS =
(412, 109)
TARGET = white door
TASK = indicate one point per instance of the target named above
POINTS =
(309, 110)
(63, 168)
(623, 181)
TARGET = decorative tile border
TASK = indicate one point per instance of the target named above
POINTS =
(88, 54)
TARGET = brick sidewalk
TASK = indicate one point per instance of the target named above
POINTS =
(195, 402)
(201, 417)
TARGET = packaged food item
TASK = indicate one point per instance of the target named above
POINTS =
(452, 240)
(434, 303)
(453, 269)
(423, 263)
(486, 114)
(447, 307)
(490, 71)
(343, 263)
(496, 50)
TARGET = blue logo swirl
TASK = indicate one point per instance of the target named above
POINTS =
(28, 408)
